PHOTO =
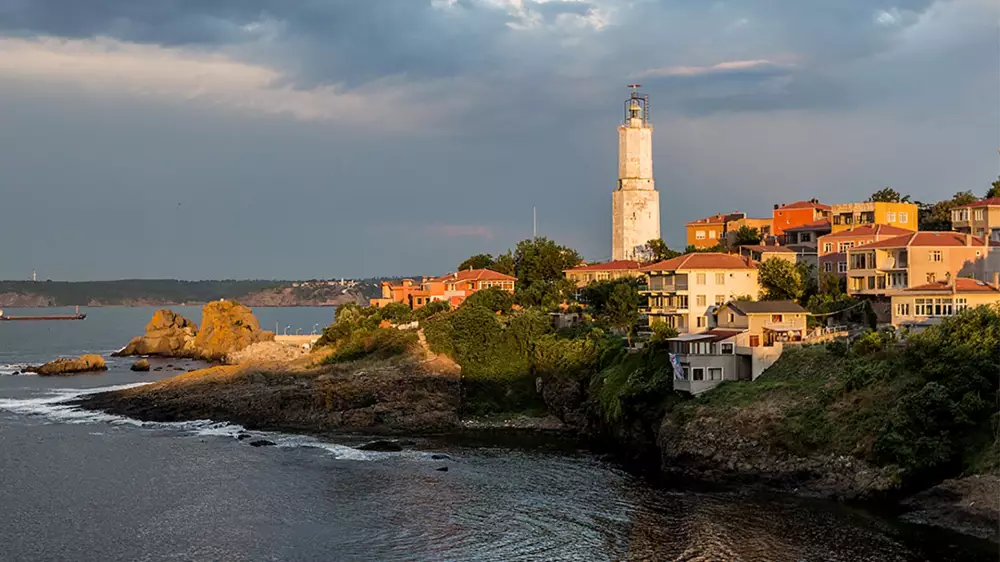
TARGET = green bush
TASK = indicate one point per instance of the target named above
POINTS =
(493, 299)
(431, 309)
(635, 385)
(396, 312)
(381, 343)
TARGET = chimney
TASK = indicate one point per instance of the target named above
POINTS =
(968, 239)
(996, 278)
(776, 206)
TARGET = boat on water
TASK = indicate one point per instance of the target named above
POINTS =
(77, 316)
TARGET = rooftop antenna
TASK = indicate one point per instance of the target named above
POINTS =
(34, 276)
(534, 223)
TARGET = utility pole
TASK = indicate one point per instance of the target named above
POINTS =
(534, 223)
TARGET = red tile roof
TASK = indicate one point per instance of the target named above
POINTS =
(962, 285)
(991, 202)
(927, 239)
(702, 260)
(618, 265)
(870, 230)
(771, 249)
(804, 205)
(718, 218)
(821, 224)
(476, 275)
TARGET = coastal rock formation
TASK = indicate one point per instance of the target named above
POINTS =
(67, 366)
(227, 327)
(970, 505)
(168, 334)
(140, 365)
(25, 300)
(399, 395)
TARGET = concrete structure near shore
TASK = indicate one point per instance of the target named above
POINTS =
(635, 204)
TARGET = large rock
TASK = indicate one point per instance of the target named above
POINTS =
(168, 334)
(67, 366)
(227, 327)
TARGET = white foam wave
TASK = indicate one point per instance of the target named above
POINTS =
(56, 407)
(11, 368)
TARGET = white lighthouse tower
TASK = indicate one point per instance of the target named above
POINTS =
(635, 203)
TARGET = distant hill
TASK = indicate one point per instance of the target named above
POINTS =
(166, 292)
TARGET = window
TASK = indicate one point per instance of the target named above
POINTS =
(871, 283)
(805, 237)
(943, 307)
(903, 309)
(700, 322)
(686, 372)
(715, 373)
(922, 307)
(828, 267)
(711, 234)
(836, 219)
(890, 216)
(754, 341)
(934, 255)
(732, 318)
(727, 349)
(700, 235)
(960, 305)
(720, 300)
(699, 279)
(720, 278)
(979, 214)
(776, 318)
(931, 278)
(699, 300)
(842, 267)
(844, 246)
(827, 247)
(699, 374)
(903, 218)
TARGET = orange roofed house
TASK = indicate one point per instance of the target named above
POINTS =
(618, 269)
(453, 288)
(797, 214)
(929, 304)
(833, 247)
(711, 231)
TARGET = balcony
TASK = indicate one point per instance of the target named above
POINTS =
(667, 284)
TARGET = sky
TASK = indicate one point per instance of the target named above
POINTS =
(280, 139)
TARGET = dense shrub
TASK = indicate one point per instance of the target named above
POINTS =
(431, 309)
(396, 312)
(494, 299)
(637, 385)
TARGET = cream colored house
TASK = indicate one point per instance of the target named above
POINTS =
(979, 219)
(929, 304)
(585, 274)
(749, 338)
(888, 266)
(684, 291)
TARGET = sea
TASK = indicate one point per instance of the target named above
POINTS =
(86, 486)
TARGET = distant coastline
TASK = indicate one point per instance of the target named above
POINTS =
(168, 292)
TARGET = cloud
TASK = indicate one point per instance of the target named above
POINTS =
(173, 74)
(720, 68)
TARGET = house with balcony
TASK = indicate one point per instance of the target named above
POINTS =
(750, 336)
(832, 248)
(929, 304)
(885, 267)
(684, 291)
(846, 216)
(763, 227)
(711, 231)
(806, 234)
(795, 254)
(981, 218)
(585, 274)
(785, 216)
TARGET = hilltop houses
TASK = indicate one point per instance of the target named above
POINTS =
(453, 288)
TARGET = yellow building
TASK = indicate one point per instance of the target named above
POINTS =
(585, 274)
(929, 304)
(981, 218)
(684, 291)
(845, 216)
(711, 231)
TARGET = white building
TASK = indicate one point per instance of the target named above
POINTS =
(635, 205)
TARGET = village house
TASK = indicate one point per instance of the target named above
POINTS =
(845, 216)
(763, 227)
(585, 274)
(683, 291)
(453, 288)
(806, 234)
(887, 266)
(795, 254)
(797, 214)
(748, 338)
(981, 218)
(833, 247)
(711, 231)
(929, 304)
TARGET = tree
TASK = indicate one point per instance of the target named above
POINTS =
(622, 309)
(746, 235)
(494, 299)
(890, 195)
(657, 250)
(781, 280)
(597, 293)
(937, 216)
(504, 263)
(718, 248)
(542, 260)
(994, 190)
(478, 261)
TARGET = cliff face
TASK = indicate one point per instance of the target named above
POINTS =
(25, 300)
(227, 327)
(289, 296)
(167, 334)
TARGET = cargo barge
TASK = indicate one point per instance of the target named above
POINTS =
(77, 316)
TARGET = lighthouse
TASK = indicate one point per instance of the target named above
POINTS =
(635, 203)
